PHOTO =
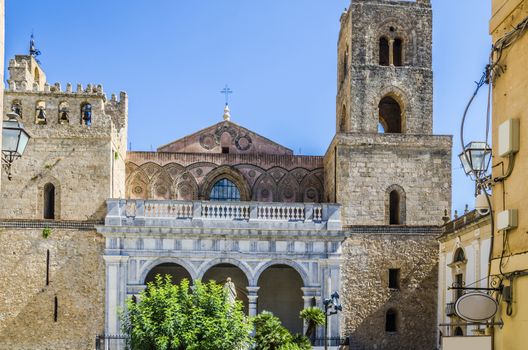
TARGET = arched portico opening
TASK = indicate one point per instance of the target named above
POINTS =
(280, 293)
(221, 272)
(176, 271)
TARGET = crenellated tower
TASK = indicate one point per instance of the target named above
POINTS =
(75, 159)
(384, 164)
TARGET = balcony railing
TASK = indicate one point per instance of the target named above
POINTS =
(159, 213)
(450, 309)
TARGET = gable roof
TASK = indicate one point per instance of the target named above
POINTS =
(225, 137)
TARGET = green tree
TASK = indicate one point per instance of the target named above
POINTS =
(271, 335)
(180, 317)
(314, 317)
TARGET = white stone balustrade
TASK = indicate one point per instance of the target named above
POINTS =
(158, 213)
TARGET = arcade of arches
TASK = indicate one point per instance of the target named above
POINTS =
(278, 289)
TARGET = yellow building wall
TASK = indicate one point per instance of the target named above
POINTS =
(510, 100)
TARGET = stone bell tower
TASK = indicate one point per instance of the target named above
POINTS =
(384, 165)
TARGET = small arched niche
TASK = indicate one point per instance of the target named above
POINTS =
(390, 116)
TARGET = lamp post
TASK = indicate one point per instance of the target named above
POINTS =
(475, 159)
(14, 141)
(331, 307)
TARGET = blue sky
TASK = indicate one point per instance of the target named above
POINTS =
(174, 56)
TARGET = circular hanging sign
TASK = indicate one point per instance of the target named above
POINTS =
(476, 307)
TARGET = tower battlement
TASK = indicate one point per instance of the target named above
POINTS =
(38, 102)
(77, 146)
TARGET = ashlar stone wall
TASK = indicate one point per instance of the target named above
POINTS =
(367, 167)
(366, 296)
(86, 164)
(76, 279)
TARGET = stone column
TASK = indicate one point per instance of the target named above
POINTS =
(391, 52)
(115, 297)
(252, 300)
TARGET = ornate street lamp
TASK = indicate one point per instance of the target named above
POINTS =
(475, 159)
(14, 141)
(331, 307)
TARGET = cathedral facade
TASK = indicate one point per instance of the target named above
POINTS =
(86, 224)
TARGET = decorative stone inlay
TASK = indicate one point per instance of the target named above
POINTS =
(243, 143)
(208, 141)
(311, 193)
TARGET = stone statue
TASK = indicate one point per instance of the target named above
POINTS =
(230, 290)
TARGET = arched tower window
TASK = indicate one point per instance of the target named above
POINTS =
(86, 114)
(390, 115)
(395, 205)
(64, 113)
(40, 113)
(398, 52)
(49, 201)
(384, 51)
(16, 107)
(225, 190)
(391, 321)
(394, 208)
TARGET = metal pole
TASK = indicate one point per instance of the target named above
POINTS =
(326, 330)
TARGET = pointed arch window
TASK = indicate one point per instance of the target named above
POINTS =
(49, 201)
(225, 190)
(384, 51)
(390, 116)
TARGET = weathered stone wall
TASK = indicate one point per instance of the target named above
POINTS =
(76, 278)
(363, 82)
(369, 165)
(366, 296)
(79, 160)
(260, 177)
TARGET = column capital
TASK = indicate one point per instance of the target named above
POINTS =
(253, 290)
